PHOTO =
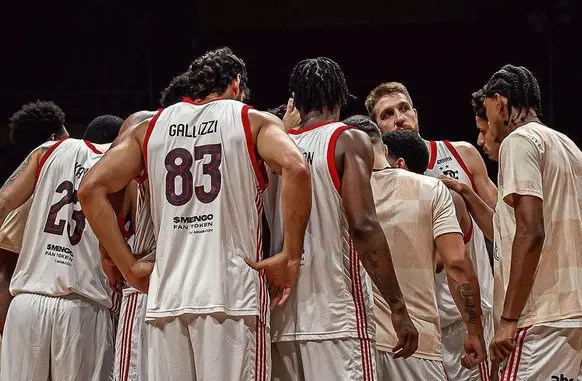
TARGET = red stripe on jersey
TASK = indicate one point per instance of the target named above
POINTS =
(460, 161)
(144, 148)
(92, 147)
(519, 354)
(433, 154)
(467, 237)
(46, 155)
(297, 131)
(331, 157)
(129, 336)
(259, 173)
(361, 318)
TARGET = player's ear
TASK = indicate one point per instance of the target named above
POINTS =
(236, 85)
(385, 147)
(401, 163)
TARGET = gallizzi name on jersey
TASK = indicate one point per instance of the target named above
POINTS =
(193, 131)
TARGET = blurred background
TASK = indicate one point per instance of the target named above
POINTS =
(94, 58)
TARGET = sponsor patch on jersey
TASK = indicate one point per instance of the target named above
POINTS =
(194, 224)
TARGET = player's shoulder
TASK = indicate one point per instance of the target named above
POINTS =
(464, 147)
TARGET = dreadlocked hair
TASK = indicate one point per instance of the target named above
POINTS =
(214, 71)
(478, 103)
(520, 87)
(317, 83)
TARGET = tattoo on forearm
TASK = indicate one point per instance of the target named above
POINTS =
(466, 295)
(17, 172)
(386, 283)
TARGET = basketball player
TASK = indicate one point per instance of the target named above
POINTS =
(326, 330)
(480, 211)
(32, 125)
(58, 325)
(540, 221)
(414, 246)
(203, 160)
(391, 107)
(131, 340)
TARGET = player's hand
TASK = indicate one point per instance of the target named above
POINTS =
(282, 272)
(475, 352)
(114, 276)
(504, 340)
(406, 333)
(494, 376)
(139, 277)
(451, 183)
(291, 119)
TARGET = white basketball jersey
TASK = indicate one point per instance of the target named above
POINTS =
(205, 184)
(333, 296)
(60, 253)
(445, 160)
(144, 240)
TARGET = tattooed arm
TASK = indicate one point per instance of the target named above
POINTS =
(354, 161)
(20, 185)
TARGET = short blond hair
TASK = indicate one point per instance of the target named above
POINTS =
(382, 90)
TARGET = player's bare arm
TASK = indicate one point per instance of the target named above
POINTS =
(19, 187)
(479, 210)
(463, 283)
(118, 167)
(279, 151)
(485, 188)
(354, 158)
(525, 257)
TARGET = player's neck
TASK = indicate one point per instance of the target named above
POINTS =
(318, 116)
(380, 161)
(211, 97)
(529, 118)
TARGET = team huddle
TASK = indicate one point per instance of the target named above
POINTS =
(212, 241)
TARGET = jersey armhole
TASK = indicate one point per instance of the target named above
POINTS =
(331, 158)
(461, 162)
(46, 155)
(433, 154)
(467, 237)
(152, 123)
(259, 168)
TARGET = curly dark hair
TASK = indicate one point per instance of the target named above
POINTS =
(103, 129)
(409, 146)
(34, 124)
(215, 70)
(180, 86)
(364, 123)
(477, 101)
(317, 83)
(520, 87)
(279, 111)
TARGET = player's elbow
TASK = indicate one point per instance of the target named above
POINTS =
(531, 234)
(367, 232)
(89, 189)
(296, 169)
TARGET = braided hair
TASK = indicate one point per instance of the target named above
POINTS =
(317, 83)
(519, 86)
(477, 101)
(214, 71)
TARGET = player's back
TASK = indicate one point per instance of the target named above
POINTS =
(205, 185)
(332, 298)
(60, 253)
(413, 210)
(551, 171)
